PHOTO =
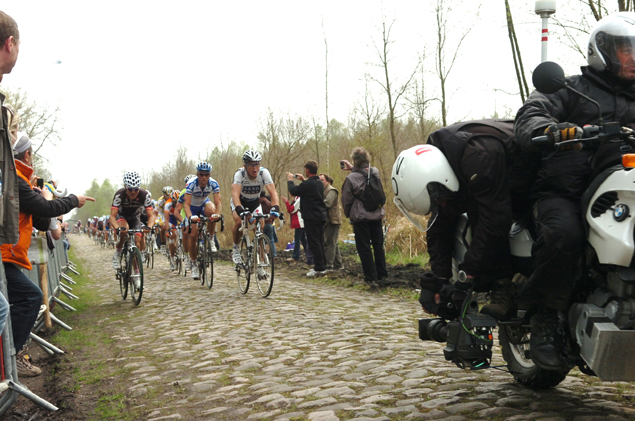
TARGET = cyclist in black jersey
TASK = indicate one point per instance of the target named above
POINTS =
(125, 212)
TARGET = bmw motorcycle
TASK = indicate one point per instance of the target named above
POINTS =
(599, 326)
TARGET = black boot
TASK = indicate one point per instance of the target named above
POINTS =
(545, 348)
(501, 305)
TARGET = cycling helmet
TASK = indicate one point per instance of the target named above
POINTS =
(204, 166)
(175, 196)
(167, 191)
(420, 175)
(613, 31)
(189, 178)
(252, 156)
(132, 180)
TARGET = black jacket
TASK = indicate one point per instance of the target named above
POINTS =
(478, 154)
(568, 173)
(311, 191)
(31, 202)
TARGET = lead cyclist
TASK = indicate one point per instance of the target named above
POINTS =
(249, 181)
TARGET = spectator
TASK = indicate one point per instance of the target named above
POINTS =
(311, 191)
(9, 210)
(269, 228)
(35, 210)
(332, 226)
(297, 223)
(366, 225)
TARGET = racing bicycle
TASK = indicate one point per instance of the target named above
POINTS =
(256, 256)
(130, 272)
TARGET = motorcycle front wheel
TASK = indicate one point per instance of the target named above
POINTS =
(516, 354)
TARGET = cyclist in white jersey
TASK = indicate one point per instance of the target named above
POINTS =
(197, 203)
(249, 181)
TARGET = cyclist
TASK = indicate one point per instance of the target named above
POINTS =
(170, 219)
(196, 203)
(125, 212)
(179, 214)
(167, 192)
(249, 181)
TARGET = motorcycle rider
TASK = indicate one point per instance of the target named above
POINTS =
(563, 176)
(465, 171)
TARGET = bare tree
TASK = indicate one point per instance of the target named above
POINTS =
(326, 93)
(283, 141)
(40, 123)
(393, 94)
(419, 102)
(445, 54)
(518, 62)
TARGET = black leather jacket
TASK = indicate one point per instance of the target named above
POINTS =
(568, 173)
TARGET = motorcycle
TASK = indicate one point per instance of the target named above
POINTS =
(599, 326)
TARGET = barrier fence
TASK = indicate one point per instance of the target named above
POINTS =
(51, 270)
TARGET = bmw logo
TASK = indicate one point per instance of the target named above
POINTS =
(620, 213)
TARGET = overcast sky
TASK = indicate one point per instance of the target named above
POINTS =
(139, 78)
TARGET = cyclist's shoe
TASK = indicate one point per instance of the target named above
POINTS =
(24, 365)
(214, 250)
(115, 260)
(262, 273)
(172, 265)
(236, 256)
(137, 282)
(194, 271)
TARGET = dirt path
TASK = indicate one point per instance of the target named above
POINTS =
(308, 352)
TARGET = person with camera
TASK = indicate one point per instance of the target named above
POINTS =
(564, 176)
(366, 224)
(36, 209)
(463, 169)
(332, 226)
(313, 209)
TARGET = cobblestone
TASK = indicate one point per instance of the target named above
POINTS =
(309, 352)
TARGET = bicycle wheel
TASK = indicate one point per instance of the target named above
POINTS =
(135, 276)
(242, 269)
(177, 258)
(122, 274)
(201, 257)
(263, 256)
(208, 275)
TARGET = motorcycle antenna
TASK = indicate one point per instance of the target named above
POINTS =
(545, 8)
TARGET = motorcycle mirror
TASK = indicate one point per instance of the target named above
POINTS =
(548, 77)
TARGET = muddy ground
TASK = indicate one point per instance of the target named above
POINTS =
(56, 384)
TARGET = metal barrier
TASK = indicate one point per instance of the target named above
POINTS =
(57, 266)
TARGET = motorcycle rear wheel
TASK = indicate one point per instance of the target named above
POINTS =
(520, 364)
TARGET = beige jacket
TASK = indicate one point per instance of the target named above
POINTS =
(333, 207)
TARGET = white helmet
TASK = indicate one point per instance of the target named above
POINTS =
(419, 173)
(132, 179)
(610, 32)
(189, 178)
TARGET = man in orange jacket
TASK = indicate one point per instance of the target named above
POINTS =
(36, 209)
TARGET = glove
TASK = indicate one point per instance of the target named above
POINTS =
(239, 210)
(563, 131)
(275, 211)
(432, 285)
(194, 218)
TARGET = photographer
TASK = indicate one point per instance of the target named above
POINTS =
(311, 191)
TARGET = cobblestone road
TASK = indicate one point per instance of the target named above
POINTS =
(311, 352)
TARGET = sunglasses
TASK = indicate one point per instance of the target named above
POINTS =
(206, 174)
(129, 189)
(254, 164)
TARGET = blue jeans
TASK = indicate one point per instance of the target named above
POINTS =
(25, 298)
(270, 232)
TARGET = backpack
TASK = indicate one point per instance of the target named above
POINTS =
(373, 196)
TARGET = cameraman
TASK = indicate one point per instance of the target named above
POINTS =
(463, 169)
(311, 192)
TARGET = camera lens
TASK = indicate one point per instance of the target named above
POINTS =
(433, 330)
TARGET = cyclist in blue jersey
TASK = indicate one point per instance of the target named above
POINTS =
(249, 181)
(197, 203)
